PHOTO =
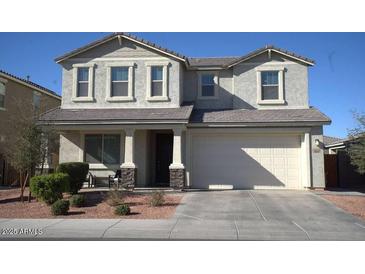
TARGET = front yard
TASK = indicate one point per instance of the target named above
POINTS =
(352, 204)
(95, 207)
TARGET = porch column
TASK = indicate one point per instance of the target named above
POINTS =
(177, 169)
(128, 168)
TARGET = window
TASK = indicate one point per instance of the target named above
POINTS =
(208, 85)
(157, 82)
(83, 81)
(2, 95)
(36, 101)
(119, 85)
(102, 149)
(119, 82)
(270, 85)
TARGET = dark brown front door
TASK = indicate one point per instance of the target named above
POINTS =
(164, 144)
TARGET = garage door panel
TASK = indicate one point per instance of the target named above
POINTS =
(243, 161)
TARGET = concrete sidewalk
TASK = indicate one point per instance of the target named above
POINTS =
(228, 215)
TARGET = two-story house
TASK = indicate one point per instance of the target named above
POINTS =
(19, 98)
(168, 120)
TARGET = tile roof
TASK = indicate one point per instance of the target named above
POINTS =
(7, 74)
(58, 115)
(258, 116)
(271, 47)
(211, 61)
(184, 113)
(328, 140)
(191, 61)
(115, 35)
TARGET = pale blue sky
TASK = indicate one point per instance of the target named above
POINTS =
(335, 83)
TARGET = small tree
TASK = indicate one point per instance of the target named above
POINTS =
(26, 144)
(356, 148)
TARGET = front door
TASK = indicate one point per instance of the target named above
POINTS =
(164, 145)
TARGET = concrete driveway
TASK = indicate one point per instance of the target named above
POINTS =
(218, 215)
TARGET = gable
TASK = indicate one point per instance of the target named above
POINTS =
(121, 44)
(271, 53)
(116, 49)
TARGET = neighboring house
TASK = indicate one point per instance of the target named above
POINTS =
(333, 144)
(171, 121)
(19, 98)
(339, 172)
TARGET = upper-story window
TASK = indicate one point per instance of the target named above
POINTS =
(270, 86)
(208, 85)
(36, 101)
(83, 82)
(2, 95)
(157, 81)
(120, 82)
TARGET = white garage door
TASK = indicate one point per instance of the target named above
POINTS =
(246, 161)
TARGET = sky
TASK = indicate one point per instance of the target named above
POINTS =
(335, 83)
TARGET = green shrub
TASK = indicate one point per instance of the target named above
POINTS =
(114, 197)
(122, 210)
(60, 207)
(77, 172)
(78, 200)
(157, 198)
(49, 188)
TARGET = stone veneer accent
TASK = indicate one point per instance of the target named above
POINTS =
(129, 177)
(177, 178)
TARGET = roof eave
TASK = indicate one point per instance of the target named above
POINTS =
(259, 52)
(118, 36)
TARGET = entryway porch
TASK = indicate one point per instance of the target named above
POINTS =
(147, 157)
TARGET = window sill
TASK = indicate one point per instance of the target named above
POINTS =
(271, 102)
(120, 99)
(103, 166)
(3, 109)
(158, 99)
(82, 99)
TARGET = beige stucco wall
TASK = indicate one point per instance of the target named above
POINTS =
(113, 52)
(295, 82)
(317, 154)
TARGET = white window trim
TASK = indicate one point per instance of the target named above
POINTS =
(4, 81)
(90, 97)
(130, 97)
(164, 96)
(216, 86)
(280, 100)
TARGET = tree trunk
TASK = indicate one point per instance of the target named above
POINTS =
(21, 188)
(23, 185)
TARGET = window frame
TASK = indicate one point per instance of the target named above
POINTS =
(130, 97)
(216, 85)
(4, 82)
(101, 165)
(89, 97)
(280, 100)
(164, 97)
